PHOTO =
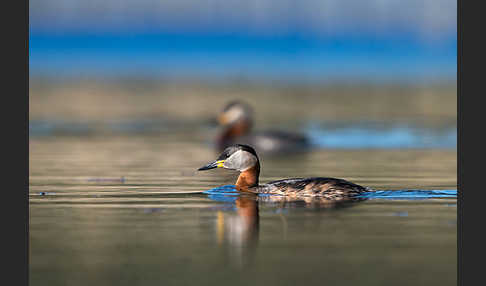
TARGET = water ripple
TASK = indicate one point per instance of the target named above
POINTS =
(228, 193)
(411, 194)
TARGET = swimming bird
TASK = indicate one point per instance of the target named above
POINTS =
(244, 159)
(236, 121)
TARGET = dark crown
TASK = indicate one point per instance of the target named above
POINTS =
(234, 148)
(237, 103)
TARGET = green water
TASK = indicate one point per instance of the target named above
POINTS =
(104, 210)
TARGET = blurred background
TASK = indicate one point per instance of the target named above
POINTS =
(146, 66)
(280, 40)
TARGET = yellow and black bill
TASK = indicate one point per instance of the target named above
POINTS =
(212, 165)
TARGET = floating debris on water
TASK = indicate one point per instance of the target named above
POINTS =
(45, 193)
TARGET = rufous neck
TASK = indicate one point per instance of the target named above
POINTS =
(236, 129)
(248, 178)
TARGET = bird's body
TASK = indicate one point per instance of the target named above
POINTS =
(244, 159)
(329, 188)
(269, 142)
(236, 124)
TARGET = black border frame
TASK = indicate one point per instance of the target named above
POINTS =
(469, 118)
(15, 210)
(460, 278)
(470, 84)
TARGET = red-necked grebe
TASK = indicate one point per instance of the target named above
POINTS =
(244, 159)
(236, 120)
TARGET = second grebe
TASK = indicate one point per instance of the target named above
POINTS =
(244, 159)
(236, 120)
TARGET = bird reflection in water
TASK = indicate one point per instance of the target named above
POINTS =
(238, 231)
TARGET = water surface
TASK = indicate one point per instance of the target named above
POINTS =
(129, 209)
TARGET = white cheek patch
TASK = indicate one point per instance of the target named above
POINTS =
(240, 160)
(234, 114)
